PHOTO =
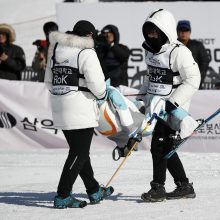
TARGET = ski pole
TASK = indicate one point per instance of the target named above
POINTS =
(133, 146)
(170, 154)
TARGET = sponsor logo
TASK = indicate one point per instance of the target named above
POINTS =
(7, 120)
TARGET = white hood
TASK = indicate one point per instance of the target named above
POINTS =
(165, 21)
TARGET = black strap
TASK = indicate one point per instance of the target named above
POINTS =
(78, 56)
(175, 86)
(79, 75)
(117, 153)
(177, 45)
(54, 54)
(155, 13)
(174, 73)
(84, 89)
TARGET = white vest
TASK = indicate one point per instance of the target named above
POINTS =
(72, 107)
(66, 74)
(161, 76)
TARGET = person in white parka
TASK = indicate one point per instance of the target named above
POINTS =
(76, 81)
(174, 75)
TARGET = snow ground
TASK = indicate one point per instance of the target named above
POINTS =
(29, 180)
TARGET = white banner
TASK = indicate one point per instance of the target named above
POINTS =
(207, 139)
(129, 18)
(26, 120)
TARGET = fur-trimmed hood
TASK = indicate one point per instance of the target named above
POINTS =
(10, 32)
(71, 40)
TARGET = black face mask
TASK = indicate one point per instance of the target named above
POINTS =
(154, 43)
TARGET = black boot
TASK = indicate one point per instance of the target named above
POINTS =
(157, 193)
(183, 190)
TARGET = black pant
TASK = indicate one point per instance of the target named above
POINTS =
(161, 144)
(77, 162)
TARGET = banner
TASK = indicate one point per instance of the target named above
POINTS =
(26, 120)
(207, 139)
(129, 18)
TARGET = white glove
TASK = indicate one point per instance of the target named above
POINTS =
(187, 123)
(187, 126)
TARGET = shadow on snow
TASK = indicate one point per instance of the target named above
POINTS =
(45, 200)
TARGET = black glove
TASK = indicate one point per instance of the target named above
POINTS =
(123, 152)
(138, 138)
(170, 107)
(119, 152)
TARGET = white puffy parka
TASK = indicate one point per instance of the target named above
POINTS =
(180, 59)
(76, 109)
